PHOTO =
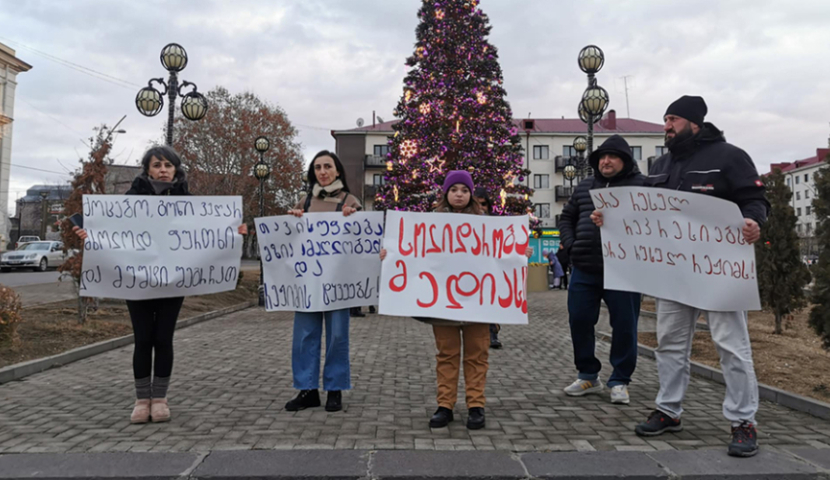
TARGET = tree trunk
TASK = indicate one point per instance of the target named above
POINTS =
(778, 318)
(82, 313)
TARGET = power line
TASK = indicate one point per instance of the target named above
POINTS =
(56, 120)
(74, 66)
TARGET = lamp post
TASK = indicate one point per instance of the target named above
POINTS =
(261, 171)
(150, 101)
(595, 98)
(580, 144)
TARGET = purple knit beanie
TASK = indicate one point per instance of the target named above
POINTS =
(458, 176)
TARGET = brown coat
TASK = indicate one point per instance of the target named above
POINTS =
(329, 204)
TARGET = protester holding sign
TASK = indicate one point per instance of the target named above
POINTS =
(328, 192)
(154, 320)
(580, 238)
(700, 161)
(453, 336)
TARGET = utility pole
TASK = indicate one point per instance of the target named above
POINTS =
(625, 83)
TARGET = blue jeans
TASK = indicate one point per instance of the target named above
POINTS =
(585, 294)
(305, 354)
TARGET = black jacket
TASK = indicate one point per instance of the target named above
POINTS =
(142, 186)
(708, 165)
(577, 233)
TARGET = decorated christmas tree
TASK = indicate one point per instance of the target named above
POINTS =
(453, 116)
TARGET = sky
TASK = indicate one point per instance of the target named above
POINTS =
(760, 65)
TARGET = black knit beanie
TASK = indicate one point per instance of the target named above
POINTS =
(691, 108)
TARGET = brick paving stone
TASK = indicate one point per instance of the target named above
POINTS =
(232, 378)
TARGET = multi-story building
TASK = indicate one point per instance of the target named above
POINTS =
(800, 177)
(547, 143)
(10, 66)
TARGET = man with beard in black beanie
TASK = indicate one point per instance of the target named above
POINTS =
(700, 161)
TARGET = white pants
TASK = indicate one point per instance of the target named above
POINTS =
(675, 329)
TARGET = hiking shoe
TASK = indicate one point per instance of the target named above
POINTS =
(584, 387)
(619, 395)
(441, 418)
(744, 441)
(475, 418)
(658, 423)
(305, 399)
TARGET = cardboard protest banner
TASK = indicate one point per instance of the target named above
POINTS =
(680, 246)
(142, 247)
(320, 261)
(456, 267)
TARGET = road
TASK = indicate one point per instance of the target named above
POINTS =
(17, 278)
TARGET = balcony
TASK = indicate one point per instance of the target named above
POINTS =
(563, 193)
(369, 191)
(374, 161)
(560, 163)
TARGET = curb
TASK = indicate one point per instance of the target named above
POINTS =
(20, 370)
(784, 398)
(770, 463)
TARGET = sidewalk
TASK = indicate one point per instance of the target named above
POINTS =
(233, 376)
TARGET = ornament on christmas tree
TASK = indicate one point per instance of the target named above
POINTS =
(424, 108)
(409, 148)
(439, 14)
(481, 98)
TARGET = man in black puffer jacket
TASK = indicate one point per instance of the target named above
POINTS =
(613, 167)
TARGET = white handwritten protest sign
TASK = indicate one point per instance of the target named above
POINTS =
(141, 247)
(456, 267)
(321, 261)
(679, 246)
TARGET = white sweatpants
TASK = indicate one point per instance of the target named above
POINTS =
(675, 329)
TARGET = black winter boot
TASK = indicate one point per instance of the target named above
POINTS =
(304, 399)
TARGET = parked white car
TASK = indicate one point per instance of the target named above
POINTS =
(38, 256)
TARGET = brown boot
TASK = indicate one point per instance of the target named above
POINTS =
(159, 411)
(141, 411)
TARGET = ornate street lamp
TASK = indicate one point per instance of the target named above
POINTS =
(595, 98)
(261, 171)
(150, 101)
(580, 145)
(570, 173)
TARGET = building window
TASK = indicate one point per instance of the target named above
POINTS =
(807, 210)
(541, 181)
(809, 228)
(659, 151)
(797, 178)
(798, 195)
(541, 152)
(806, 177)
(381, 150)
(568, 151)
(377, 179)
(806, 194)
(798, 211)
(788, 181)
(542, 210)
(798, 227)
(637, 153)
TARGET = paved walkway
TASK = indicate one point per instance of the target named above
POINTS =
(233, 376)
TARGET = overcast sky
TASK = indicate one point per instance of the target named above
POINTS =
(762, 66)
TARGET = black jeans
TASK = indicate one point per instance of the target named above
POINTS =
(154, 322)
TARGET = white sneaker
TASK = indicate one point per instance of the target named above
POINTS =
(583, 387)
(619, 394)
